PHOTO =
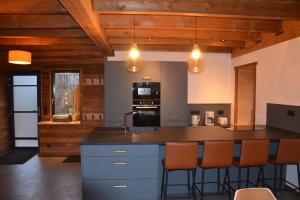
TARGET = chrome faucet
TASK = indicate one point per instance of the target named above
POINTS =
(125, 121)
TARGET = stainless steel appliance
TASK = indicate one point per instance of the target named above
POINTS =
(146, 104)
(209, 118)
(195, 118)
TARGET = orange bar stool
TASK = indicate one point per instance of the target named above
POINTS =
(288, 153)
(179, 156)
(254, 153)
(219, 155)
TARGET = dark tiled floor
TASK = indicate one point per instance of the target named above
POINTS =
(47, 178)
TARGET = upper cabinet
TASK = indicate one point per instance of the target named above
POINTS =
(173, 93)
(213, 84)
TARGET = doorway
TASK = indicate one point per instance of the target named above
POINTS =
(245, 94)
(24, 109)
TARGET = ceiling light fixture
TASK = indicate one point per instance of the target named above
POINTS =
(196, 59)
(134, 63)
(19, 57)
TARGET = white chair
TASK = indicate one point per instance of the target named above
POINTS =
(254, 194)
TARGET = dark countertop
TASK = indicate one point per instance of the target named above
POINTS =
(183, 134)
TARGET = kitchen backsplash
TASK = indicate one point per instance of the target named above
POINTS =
(285, 117)
(209, 107)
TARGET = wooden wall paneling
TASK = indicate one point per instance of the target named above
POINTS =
(46, 96)
(4, 131)
(62, 140)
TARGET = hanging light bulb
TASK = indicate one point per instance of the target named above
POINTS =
(134, 52)
(196, 53)
(134, 63)
(195, 63)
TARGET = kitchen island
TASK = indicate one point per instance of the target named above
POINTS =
(118, 165)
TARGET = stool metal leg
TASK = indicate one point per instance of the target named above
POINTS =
(224, 181)
(193, 184)
(162, 184)
(239, 178)
(218, 182)
(248, 171)
(188, 182)
(258, 177)
(263, 176)
(202, 184)
(228, 183)
(275, 179)
(280, 177)
(166, 185)
(298, 172)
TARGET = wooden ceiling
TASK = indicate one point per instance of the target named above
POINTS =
(86, 31)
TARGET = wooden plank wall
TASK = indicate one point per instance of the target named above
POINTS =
(3, 112)
(57, 140)
(63, 140)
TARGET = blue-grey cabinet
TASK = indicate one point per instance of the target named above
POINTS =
(174, 94)
(127, 172)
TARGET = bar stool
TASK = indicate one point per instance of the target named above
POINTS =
(254, 193)
(179, 156)
(288, 153)
(254, 153)
(216, 154)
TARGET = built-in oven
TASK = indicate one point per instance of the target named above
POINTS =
(146, 90)
(146, 114)
(146, 104)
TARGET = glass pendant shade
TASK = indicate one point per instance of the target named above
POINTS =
(196, 66)
(134, 63)
(19, 57)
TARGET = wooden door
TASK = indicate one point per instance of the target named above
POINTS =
(245, 93)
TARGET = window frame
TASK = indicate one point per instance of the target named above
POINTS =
(53, 72)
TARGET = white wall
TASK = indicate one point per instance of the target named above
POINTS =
(278, 75)
(278, 80)
(213, 84)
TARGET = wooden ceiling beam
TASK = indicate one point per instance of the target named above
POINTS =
(263, 9)
(44, 41)
(187, 34)
(179, 48)
(44, 32)
(37, 21)
(154, 41)
(70, 53)
(188, 22)
(81, 11)
(69, 47)
(31, 7)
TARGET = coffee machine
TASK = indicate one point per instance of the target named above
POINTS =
(195, 117)
(209, 118)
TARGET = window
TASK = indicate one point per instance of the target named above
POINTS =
(66, 95)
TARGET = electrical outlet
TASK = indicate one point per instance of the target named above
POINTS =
(291, 113)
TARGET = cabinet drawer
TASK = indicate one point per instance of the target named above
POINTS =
(120, 189)
(119, 167)
(119, 150)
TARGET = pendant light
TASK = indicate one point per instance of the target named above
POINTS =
(196, 59)
(19, 57)
(134, 63)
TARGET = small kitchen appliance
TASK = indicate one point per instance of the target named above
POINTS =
(209, 118)
(222, 121)
(195, 118)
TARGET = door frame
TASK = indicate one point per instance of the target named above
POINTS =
(11, 106)
(236, 68)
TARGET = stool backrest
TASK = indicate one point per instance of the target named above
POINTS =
(217, 154)
(288, 151)
(181, 155)
(254, 152)
(254, 194)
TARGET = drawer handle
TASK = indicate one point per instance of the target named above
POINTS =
(120, 163)
(120, 186)
(119, 151)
